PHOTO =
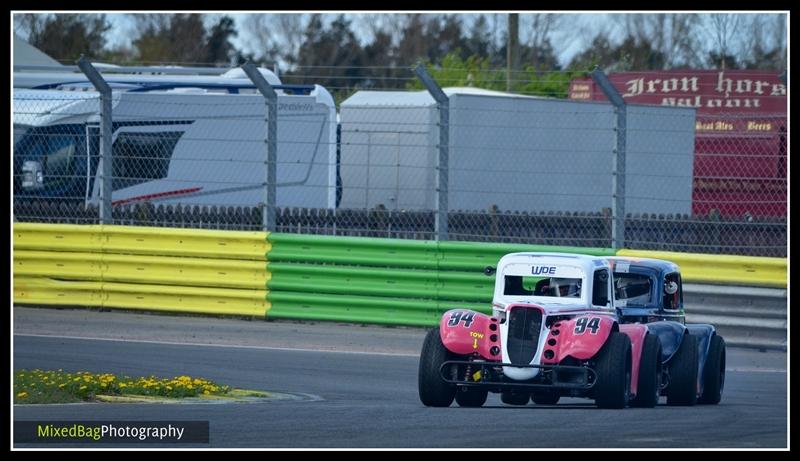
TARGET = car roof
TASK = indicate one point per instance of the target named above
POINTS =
(660, 265)
(587, 263)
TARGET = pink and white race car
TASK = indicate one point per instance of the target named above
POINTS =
(553, 332)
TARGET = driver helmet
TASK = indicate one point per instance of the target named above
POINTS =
(670, 287)
(628, 287)
(565, 287)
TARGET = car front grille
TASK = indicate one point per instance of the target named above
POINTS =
(524, 326)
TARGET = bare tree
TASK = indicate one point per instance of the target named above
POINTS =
(752, 37)
(779, 36)
(762, 41)
(722, 28)
(275, 36)
(672, 35)
(538, 27)
(374, 24)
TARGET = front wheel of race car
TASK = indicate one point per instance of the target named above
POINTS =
(649, 374)
(714, 372)
(433, 390)
(471, 397)
(613, 367)
(682, 387)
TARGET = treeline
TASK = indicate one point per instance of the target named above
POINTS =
(375, 51)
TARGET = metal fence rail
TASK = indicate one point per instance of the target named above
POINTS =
(425, 162)
(652, 232)
(745, 316)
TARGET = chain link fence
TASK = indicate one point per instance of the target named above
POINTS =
(52, 157)
(464, 164)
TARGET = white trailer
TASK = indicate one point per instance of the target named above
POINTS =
(517, 153)
(187, 140)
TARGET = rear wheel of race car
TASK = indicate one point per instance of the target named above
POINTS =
(433, 391)
(613, 367)
(714, 372)
(546, 397)
(682, 388)
(649, 374)
(515, 397)
(471, 396)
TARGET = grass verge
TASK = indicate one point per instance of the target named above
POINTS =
(48, 386)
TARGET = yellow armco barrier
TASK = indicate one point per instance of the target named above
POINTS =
(723, 269)
(42, 290)
(186, 299)
(186, 270)
(157, 270)
(57, 237)
(58, 265)
(160, 241)
(200, 243)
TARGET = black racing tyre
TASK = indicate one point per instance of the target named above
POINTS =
(546, 397)
(682, 387)
(433, 391)
(515, 397)
(613, 367)
(649, 374)
(471, 396)
(714, 372)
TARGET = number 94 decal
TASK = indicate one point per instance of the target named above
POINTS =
(584, 323)
(461, 316)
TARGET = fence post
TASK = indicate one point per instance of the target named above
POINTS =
(106, 157)
(618, 168)
(271, 97)
(444, 151)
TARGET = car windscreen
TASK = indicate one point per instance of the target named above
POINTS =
(517, 285)
(634, 289)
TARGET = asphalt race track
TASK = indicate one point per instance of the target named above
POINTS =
(357, 387)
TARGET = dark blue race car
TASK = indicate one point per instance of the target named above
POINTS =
(692, 356)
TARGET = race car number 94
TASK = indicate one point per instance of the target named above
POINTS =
(461, 316)
(584, 323)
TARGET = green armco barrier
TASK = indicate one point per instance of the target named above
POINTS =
(363, 309)
(370, 281)
(358, 251)
(466, 256)
(412, 282)
(388, 281)
(418, 254)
